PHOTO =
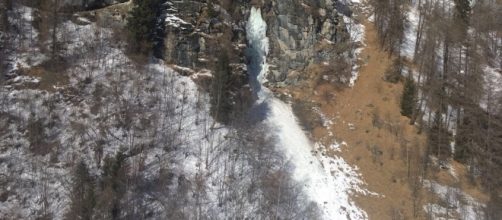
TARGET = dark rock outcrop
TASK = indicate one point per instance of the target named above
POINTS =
(197, 33)
(301, 33)
(87, 4)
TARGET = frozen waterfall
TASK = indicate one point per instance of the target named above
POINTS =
(328, 188)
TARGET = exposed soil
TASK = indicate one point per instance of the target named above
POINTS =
(379, 140)
(379, 131)
(49, 77)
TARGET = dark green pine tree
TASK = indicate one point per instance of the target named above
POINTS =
(461, 18)
(83, 198)
(439, 138)
(465, 138)
(113, 186)
(221, 105)
(141, 24)
(462, 9)
(409, 98)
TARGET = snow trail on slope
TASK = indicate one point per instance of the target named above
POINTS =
(329, 188)
(410, 33)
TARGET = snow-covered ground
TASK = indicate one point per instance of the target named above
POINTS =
(42, 183)
(327, 181)
(493, 87)
(25, 40)
(454, 204)
(410, 33)
(111, 104)
(356, 32)
(492, 75)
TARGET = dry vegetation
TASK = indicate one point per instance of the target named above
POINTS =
(381, 142)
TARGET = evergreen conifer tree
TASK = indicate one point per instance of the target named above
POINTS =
(408, 99)
(462, 9)
(220, 87)
(83, 198)
(439, 138)
(141, 24)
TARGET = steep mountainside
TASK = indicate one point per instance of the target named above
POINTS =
(250, 109)
(91, 129)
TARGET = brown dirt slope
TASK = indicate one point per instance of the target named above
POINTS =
(367, 117)
(379, 134)
(380, 142)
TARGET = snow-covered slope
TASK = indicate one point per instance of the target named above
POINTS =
(459, 205)
(328, 187)
(184, 165)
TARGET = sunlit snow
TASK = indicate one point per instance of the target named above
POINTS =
(327, 181)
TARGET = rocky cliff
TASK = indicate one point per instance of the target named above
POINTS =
(87, 4)
(300, 32)
(71, 5)
(197, 31)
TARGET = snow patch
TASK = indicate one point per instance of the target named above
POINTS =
(410, 33)
(465, 206)
(356, 31)
(327, 181)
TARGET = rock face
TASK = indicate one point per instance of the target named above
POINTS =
(197, 31)
(301, 33)
(87, 4)
(182, 43)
